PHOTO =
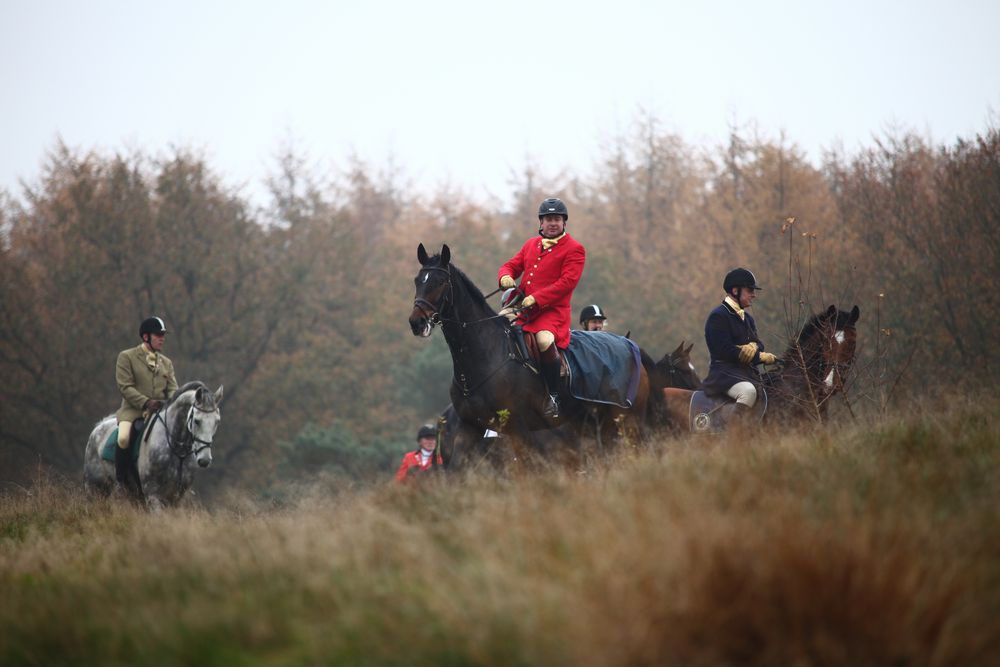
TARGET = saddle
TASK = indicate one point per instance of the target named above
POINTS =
(527, 350)
(710, 414)
(108, 449)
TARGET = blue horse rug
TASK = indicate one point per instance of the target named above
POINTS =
(603, 367)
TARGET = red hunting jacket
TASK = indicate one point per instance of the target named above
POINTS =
(412, 461)
(550, 276)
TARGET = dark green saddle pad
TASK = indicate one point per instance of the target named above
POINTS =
(108, 450)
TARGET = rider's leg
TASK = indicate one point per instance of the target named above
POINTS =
(745, 394)
(126, 473)
(124, 433)
(549, 368)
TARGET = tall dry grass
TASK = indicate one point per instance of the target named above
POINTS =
(874, 544)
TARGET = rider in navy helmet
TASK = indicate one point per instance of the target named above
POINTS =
(592, 318)
(549, 267)
(733, 342)
(552, 206)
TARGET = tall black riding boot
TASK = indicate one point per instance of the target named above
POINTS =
(123, 467)
(127, 473)
(550, 373)
(741, 419)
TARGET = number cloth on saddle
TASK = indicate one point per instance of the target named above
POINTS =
(603, 367)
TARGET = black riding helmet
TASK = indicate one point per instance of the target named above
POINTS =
(551, 206)
(740, 277)
(591, 312)
(152, 325)
(427, 431)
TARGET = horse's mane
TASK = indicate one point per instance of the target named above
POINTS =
(470, 287)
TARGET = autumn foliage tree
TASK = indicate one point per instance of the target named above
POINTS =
(299, 308)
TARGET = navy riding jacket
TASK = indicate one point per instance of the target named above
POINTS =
(724, 330)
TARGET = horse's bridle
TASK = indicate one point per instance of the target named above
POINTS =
(186, 447)
(433, 312)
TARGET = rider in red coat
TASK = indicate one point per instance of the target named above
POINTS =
(424, 457)
(550, 267)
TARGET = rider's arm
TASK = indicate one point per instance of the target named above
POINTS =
(719, 338)
(126, 382)
(513, 267)
(404, 467)
(171, 379)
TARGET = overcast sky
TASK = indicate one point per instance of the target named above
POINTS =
(467, 92)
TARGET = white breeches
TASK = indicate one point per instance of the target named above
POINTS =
(124, 431)
(744, 393)
(544, 340)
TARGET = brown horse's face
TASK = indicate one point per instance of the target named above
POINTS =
(840, 346)
(433, 288)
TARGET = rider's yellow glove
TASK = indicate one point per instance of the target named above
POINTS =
(506, 282)
(767, 358)
(747, 351)
(528, 302)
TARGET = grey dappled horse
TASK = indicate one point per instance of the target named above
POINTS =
(178, 440)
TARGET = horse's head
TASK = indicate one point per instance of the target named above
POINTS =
(830, 338)
(433, 290)
(679, 370)
(202, 421)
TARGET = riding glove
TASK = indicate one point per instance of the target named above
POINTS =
(506, 282)
(747, 352)
(528, 302)
(767, 358)
(152, 405)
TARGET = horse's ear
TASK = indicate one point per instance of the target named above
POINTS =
(421, 254)
(687, 352)
(855, 314)
(445, 254)
(831, 311)
(679, 351)
(218, 395)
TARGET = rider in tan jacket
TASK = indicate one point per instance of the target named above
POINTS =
(146, 380)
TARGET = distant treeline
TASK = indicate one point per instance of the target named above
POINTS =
(300, 308)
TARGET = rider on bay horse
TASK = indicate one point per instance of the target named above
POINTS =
(550, 268)
(733, 342)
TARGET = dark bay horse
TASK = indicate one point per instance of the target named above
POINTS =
(813, 370)
(490, 387)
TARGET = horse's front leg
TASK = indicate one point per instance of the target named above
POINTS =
(154, 504)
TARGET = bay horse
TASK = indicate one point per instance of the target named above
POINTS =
(812, 370)
(674, 370)
(491, 387)
(176, 441)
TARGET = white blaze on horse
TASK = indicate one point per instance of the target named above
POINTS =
(177, 440)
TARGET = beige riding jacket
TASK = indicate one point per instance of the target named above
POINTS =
(138, 383)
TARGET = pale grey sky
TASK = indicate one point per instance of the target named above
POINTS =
(466, 92)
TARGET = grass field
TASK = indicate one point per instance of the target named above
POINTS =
(873, 544)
